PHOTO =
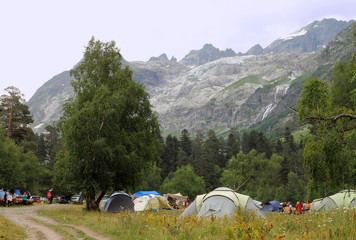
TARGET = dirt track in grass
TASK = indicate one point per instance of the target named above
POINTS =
(39, 227)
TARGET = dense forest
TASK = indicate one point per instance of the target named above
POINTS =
(102, 146)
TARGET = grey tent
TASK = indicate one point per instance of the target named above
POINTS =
(342, 199)
(220, 202)
(315, 203)
(119, 201)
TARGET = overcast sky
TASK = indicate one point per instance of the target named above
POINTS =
(40, 39)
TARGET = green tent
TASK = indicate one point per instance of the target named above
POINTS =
(343, 199)
(222, 202)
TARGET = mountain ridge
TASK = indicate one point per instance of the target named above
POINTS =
(201, 93)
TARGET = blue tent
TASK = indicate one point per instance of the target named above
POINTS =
(271, 206)
(143, 193)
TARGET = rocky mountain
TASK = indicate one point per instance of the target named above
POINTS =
(207, 54)
(162, 57)
(255, 50)
(213, 89)
(312, 38)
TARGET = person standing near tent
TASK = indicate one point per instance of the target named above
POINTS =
(9, 200)
(288, 208)
(308, 205)
(5, 198)
(298, 208)
(304, 206)
(49, 196)
(24, 199)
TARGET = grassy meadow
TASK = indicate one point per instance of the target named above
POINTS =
(165, 224)
(9, 230)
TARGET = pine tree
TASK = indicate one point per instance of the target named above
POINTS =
(197, 154)
(233, 144)
(212, 155)
(15, 116)
(170, 156)
(185, 142)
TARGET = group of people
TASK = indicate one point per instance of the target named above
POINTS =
(299, 207)
(9, 198)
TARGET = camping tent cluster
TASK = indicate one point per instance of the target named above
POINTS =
(144, 200)
(220, 202)
(342, 199)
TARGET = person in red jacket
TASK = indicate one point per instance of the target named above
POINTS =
(49, 195)
(298, 208)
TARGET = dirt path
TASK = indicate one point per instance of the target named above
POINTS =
(39, 227)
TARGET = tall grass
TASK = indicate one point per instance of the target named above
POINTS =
(9, 230)
(167, 225)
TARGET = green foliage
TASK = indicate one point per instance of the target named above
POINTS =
(253, 174)
(184, 181)
(212, 157)
(19, 170)
(294, 189)
(239, 83)
(48, 144)
(256, 140)
(151, 178)
(15, 117)
(170, 156)
(343, 85)
(185, 142)
(232, 145)
(329, 152)
(314, 101)
(109, 130)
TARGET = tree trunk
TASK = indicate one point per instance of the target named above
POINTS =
(91, 204)
(102, 194)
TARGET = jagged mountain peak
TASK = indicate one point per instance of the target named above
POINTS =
(162, 57)
(311, 38)
(207, 54)
(255, 50)
(210, 88)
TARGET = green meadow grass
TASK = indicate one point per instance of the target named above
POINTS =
(9, 230)
(239, 83)
(165, 224)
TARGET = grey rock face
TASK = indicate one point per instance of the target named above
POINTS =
(222, 93)
(209, 88)
(312, 38)
(255, 50)
(162, 57)
(207, 54)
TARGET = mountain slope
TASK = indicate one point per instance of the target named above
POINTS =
(216, 94)
(312, 38)
(207, 54)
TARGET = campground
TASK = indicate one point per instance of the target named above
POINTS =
(70, 221)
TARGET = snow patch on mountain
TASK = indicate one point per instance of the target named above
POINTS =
(293, 35)
(200, 70)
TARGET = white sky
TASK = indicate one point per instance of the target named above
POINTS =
(40, 39)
